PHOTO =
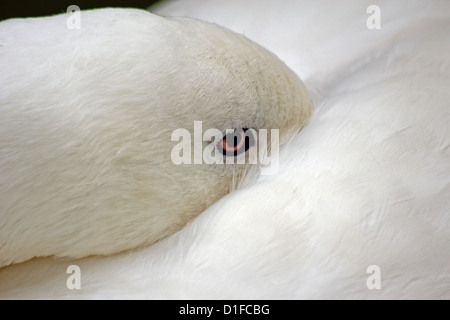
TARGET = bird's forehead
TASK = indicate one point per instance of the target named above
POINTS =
(236, 83)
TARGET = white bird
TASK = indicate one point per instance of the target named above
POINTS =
(360, 205)
(87, 117)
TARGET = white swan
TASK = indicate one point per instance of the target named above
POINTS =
(366, 183)
(86, 118)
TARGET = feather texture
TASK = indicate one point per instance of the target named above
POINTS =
(366, 182)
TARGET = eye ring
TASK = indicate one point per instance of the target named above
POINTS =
(237, 142)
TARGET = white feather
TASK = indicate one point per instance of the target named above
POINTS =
(367, 181)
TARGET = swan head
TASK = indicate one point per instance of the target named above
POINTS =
(100, 175)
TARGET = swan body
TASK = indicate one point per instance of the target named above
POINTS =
(86, 118)
(366, 183)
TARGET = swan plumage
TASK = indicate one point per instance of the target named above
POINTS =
(365, 183)
(87, 117)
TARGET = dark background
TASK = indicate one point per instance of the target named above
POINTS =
(37, 8)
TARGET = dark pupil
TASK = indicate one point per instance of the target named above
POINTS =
(234, 139)
(237, 136)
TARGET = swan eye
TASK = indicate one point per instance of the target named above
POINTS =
(236, 142)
